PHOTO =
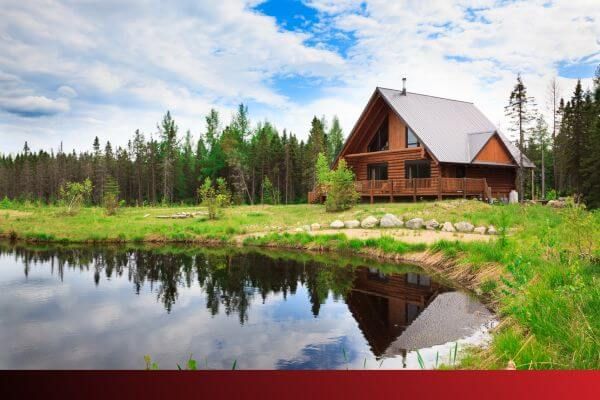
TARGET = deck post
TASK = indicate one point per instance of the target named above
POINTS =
(440, 188)
(465, 187)
(391, 183)
(371, 192)
(414, 182)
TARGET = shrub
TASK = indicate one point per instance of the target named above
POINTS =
(224, 192)
(110, 199)
(270, 192)
(6, 203)
(212, 199)
(341, 193)
(74, 194)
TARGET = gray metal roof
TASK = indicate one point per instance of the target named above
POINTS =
(452, 130)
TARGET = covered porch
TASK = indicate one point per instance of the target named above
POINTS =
(414, 188)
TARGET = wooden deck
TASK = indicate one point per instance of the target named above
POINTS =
(416, 187)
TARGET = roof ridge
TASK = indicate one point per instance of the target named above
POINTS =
(427, 95)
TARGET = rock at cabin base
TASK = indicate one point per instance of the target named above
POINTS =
(315, 227)
(492, 230)
(415, 223)
(390, 221)
(369, 222)
(464, 226)
(432, 225)
(352, 224)
(337, 224)
(480, 230)
(448, 227)
(306, 228)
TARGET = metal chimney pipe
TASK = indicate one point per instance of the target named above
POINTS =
(403, 86)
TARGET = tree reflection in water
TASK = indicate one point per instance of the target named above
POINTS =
(230, 279)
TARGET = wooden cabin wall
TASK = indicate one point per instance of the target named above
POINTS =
(394, 159)
(501, 180)
(495, 152)
(396, 131)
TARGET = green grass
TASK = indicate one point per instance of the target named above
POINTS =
(545, 286)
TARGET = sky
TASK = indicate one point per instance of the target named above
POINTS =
(72, 70)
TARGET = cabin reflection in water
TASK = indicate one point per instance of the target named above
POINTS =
(385, 305)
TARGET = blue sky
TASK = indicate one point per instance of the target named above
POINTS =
(116, 67)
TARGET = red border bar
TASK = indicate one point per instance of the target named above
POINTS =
(305, 385)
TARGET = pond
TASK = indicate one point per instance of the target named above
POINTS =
(89, 307)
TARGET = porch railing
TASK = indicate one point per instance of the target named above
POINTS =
(415, 187)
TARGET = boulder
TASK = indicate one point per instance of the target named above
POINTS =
(298, 230)
(337, 224)
(369, 222)
(432, 225)
(315, 227)
(492, 230)
(352, 224)
(448, 227)
(306, 228)
(464, 226)
(480, 230)
(390, 221)
(415, 223)
(556, 203)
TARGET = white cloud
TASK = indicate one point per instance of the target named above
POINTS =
(128, 63)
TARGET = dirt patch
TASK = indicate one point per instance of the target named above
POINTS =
(405, 235)
(15, 213)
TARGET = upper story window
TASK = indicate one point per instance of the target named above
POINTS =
(411, 138)
(380, 141)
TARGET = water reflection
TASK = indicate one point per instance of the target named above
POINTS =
(292, 311)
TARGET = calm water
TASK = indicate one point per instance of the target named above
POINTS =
(106, 307)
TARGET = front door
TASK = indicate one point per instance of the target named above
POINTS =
(377, 172)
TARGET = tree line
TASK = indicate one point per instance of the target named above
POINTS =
(259, 164)
(566, 149)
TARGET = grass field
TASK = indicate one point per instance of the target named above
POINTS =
(545, 282)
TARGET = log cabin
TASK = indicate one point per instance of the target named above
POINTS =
(411, 145)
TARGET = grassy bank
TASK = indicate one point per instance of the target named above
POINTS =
(543, 277)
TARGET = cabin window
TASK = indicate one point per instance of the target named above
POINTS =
(380, 141)
(418, 279)
(411, 138)
(412, 312)
(377, 172)
(417, 169)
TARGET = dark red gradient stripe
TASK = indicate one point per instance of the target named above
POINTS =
(306, 385)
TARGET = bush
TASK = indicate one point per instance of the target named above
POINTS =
(212, 199)
(341, 193)
(74, 194)
(110, 199)
(224, 192)
(270, 192)
(6, 203)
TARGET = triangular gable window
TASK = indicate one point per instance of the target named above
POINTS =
(380, 141)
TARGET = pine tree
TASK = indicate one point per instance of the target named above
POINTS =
(168, 135)
(520, 110)
(335, 139)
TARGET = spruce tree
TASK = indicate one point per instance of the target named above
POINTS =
(520, 111)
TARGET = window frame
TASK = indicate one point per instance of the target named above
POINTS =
(409, 163)
(414, 144)
(377, 165)
(383, 129)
